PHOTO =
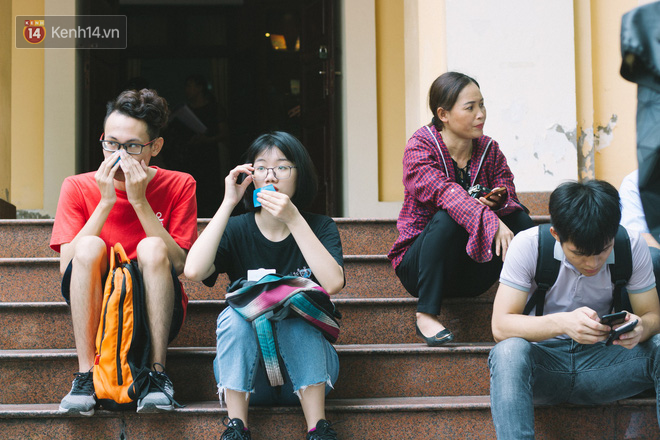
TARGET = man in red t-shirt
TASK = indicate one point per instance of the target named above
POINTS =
(152, 212)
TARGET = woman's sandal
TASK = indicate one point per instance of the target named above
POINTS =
(436, 340)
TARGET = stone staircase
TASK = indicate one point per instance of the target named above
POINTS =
(390, 386)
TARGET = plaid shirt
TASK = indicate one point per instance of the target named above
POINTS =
(430, 185)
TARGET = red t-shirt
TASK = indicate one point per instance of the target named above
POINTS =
(171, 195)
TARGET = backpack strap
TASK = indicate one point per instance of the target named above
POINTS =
(547, 269)
(621, 270)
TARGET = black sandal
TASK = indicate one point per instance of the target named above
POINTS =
(436, 340)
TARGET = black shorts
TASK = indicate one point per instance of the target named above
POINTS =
(180, 299)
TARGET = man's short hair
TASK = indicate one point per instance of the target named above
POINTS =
(586, 213)
(145, 105)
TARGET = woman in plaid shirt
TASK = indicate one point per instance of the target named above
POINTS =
(447, 237)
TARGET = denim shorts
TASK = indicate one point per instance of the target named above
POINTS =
(307, 358)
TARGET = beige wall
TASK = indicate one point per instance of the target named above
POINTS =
(544, 104)
(6, 44)
(391, 95)
(60, 98)
(391, 51)
(27, 116)
(359, 113)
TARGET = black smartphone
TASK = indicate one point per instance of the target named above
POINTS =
(613, 318)
(625, 328)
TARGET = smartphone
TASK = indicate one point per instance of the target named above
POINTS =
(613, 318)
(625, 328)
(495, 191)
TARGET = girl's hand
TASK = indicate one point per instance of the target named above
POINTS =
(278, 205)
(234, 191)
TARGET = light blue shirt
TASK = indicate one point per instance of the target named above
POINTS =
(573, 290)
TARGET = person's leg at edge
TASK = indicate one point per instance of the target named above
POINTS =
(237, 405)
(464, 283)
(518, 221)
(159, 295)
(312, 400)
(511, 392)
(86, 294)
(236, 363)
(605, 374)
(424, 269)
(312, 368)
(82, 288)
(155, 267)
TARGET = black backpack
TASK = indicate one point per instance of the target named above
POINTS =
(547, 268)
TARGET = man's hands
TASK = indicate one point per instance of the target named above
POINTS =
(632, 338)
(105, 178)
(135, 176)
(583, 326)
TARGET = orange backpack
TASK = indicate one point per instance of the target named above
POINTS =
(121, 372)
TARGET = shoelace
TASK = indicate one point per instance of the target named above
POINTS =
(83, 384)
(161, 381)
(232, 432)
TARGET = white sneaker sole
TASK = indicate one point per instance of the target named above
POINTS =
(73, 411)
(149, 408)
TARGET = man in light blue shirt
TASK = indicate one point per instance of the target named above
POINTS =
(561, 356)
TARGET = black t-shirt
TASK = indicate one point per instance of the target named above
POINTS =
(243, 247)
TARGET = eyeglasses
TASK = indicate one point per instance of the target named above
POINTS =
(281, 172)
(130, 147)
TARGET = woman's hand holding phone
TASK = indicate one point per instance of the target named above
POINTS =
(494, 198)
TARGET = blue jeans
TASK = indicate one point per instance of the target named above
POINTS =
(307, 359)
(562, 371)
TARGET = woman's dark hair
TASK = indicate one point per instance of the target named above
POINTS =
(295, 152)
(144, 105)
(444, 92)
(587, 214)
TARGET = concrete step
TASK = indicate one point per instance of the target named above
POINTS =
(394, 370)
(30, 238)
(364, 321)
(407, 418)
(38, 279)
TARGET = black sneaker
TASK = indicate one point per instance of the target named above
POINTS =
(80, 399)
(235, 430)
(160, 396)
(323, 431)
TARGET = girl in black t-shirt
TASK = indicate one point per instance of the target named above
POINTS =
(275, 237)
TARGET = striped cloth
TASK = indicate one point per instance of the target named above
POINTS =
(275, 297)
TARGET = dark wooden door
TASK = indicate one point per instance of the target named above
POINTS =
(255, 71)
(319, 99)
(101, 83)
